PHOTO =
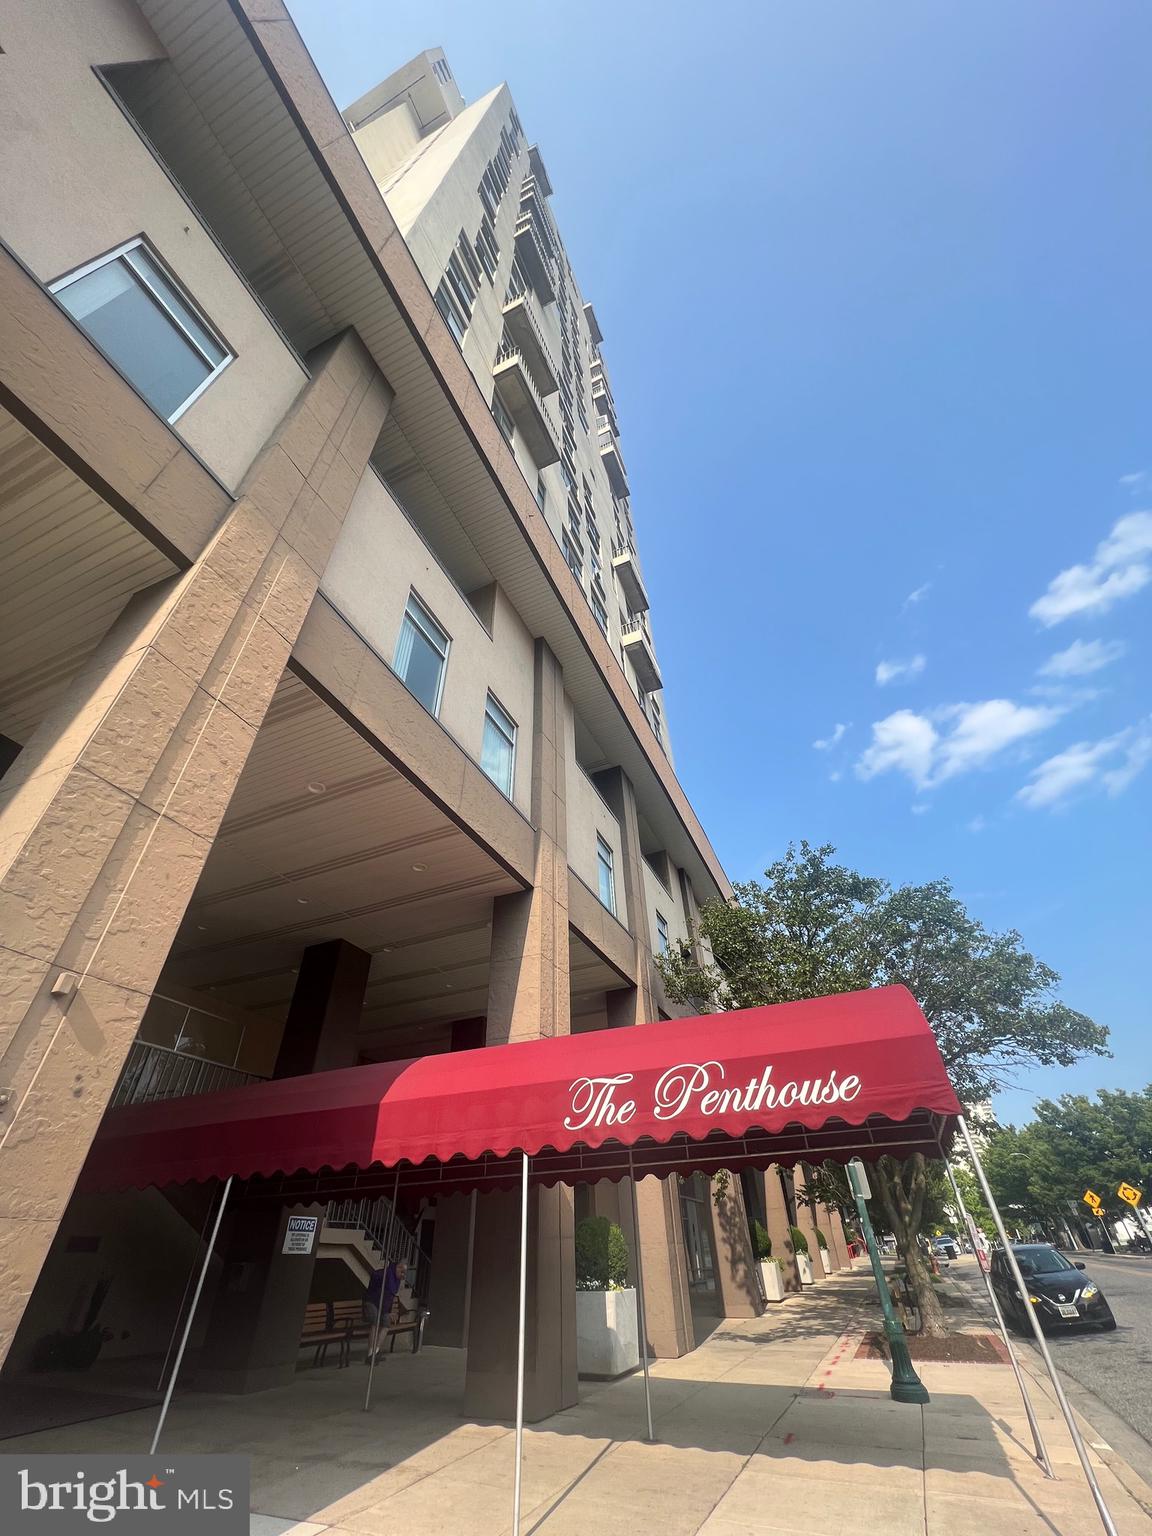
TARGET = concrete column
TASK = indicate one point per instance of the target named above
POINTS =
(842, 1253)
(671, 1332)
(449, 1291)
(529, 996)
(528, 986)
(780, 1230)
(806, 1221)
(109, 813)
(836, 1253)
(550, 1381)
(735, 1267)
(324, 1014)
(252, 1341)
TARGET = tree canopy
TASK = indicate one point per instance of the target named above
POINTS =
(813, 927)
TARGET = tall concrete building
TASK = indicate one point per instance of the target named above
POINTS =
(330, 711)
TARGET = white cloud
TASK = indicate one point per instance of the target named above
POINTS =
(828, 742)
(1083, 657)
(977, 824)
(904, 741)
(1135, 482)
(1083, 764)
(899, 671)
(1121, 565)
(953, 740)
(915, 597)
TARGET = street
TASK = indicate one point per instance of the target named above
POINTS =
(1117, 1367)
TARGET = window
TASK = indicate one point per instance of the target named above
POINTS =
(572, 555)
(145, 325)
(541, 492)
(457, 322)
(498, 756)
(421, 655)
(662, 940)
(605, 875)
(599, 612)
(503, 420)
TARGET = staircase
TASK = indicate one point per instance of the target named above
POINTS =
(366, 1234)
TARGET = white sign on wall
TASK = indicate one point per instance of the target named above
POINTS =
(300, 1234)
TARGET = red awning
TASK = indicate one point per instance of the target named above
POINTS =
(853, 1075)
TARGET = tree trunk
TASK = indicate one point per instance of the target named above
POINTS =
(902, 1188)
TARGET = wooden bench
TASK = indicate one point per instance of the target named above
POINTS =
(321, 1329)
(351, 1315)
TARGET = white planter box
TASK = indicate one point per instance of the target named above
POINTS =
(773, 1281)
(804, 1265)
(826, 1261)
(607, 1335)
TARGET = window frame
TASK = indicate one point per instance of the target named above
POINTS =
(120, 253)
(663, 933)
(415, 600)
(605, 860)
(490, 700)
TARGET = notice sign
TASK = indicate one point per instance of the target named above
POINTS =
(301, 1234)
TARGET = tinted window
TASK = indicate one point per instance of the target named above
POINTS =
(1044, 1261)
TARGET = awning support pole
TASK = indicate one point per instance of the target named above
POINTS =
(379, 1306)
(191, 1317)
(1042, 1343)
(643, 1317)
(183, 1299)
(1033, 1425)
(520, 1344)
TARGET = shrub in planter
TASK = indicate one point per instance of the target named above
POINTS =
(825, 1252)
(601, 1255)
(821, 1239)
(761, 1242)
(799, 1241)
(607, 1335)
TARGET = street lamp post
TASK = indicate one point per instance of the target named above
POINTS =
(906, 1385)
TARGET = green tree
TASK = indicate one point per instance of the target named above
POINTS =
(813, 927)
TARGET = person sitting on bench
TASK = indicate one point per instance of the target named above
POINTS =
(381, 1299)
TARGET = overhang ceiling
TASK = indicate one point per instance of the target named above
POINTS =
(70, 563)
(323, 839)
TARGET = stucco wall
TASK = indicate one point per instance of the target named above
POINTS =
(379, 558)
(76, 180)
(667, 903)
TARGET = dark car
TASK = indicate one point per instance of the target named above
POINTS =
(1061, 1292)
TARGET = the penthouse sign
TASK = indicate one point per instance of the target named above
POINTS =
(699, 1089)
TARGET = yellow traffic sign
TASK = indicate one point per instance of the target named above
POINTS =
(1090, 1197)
(1130, 1193)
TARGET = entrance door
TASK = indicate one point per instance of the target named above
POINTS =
(696, 1215)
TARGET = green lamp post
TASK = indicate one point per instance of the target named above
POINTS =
(906, 1385)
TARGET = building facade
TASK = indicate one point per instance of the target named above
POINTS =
(329, 707)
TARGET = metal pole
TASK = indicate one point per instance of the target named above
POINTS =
(1041, 1341)
(379, 1306)
(191, 1317)
(640, 1296)
(906, 1386)
(520, 1344)
(1033, 1425)
(183, 1299)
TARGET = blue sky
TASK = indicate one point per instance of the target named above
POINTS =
(873, 281)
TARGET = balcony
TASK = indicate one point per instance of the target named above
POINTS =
(610, 455)
(593, 326)
(525, 332)
(532, 253)
(525, 404)
(637, 646)
(627, 569)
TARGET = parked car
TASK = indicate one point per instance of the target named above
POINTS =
(1062, 1294)
(946, 1247)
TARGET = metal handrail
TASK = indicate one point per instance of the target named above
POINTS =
(153, 1072)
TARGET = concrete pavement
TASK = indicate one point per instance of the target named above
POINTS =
(772, 1426)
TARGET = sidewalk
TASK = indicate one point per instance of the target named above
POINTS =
(772, 1426)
